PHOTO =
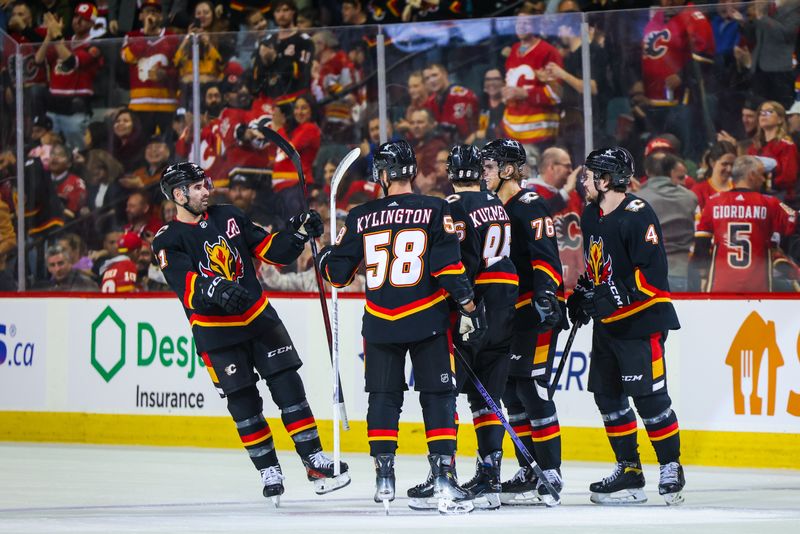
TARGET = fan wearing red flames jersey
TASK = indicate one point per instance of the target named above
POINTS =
(450, 104)
(206, 256)
(745, 226)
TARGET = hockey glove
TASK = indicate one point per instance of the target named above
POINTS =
(546, 305)
(575, 308)
(322, 258)
(472, 325)
(228, 295)
(602, 301)
(306, 225)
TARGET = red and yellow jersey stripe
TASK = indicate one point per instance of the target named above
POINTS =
(663, 433)
(188, 292)
(381, 435)
(546, 433)
(301, 425)
(257, 437)
(655, 296)
(498, 277)
(453, 268)
(437, 434)
(393, 314)
(485, 420)
(243, 319)
(617, 431)
(549, 270)
(262, 250)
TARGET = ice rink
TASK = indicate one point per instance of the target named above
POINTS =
(64, 488)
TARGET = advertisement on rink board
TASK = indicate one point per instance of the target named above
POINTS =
(733, 366)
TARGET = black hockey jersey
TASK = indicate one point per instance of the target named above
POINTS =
(221, 245)
(410, 250)
(290, 74)
(625, 248)
(534, 252)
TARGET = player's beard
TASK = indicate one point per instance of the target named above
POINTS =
(197, 206)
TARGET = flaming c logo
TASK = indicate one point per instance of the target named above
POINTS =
(755, 341)
(223, 261)
(597, 266)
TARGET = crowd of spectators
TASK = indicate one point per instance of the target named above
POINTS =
(109, 102)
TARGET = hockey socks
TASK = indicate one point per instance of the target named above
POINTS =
(383, 419)
(621, 431)
(662, 426)
(289, 394)
(245, 408)
(488, 431)
(438, 412)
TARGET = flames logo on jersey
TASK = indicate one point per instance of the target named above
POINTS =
(598, 267)
(655, 43)
(223, 261)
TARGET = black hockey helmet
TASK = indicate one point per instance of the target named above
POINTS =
(397, 159)
(615, 161)
(464, 164)
(180, 175)
(505, 151)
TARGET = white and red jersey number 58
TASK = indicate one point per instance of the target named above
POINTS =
(399, 259)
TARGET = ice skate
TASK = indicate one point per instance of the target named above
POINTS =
(553, 476)
(624, 486)
(319, 468)
(485, 485)
(384, 479)
(272, 478)
(521, 488)
(452, 498)
(420, 497)
(671, 483)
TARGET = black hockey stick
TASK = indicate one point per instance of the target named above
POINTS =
(284, 145)
(514, 437)
(564, 357)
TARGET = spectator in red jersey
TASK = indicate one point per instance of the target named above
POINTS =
(62, 276)
(73, 66)
(531, 95)
(127, 143)
(424, 140)
(717, 167)
(418, 95)
(336, 73)
(743, 224)
(149, 53)
(118, 274)
(744, 140)
(491, 108)
(672, 41)
(142, 218)
(773, 141)
(70, 188)
(22, 30)
(451, 105)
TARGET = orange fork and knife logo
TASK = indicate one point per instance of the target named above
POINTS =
(756, 340)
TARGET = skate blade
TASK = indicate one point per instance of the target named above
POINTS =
(275, 501)
(386, 506)
(673, 499)
(620, 498)
(327, 485)
(451, 507)
(487, 501)
(526, 498)
(549, 501)
(423, 504)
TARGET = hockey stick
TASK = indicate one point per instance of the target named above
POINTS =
(514, 437)
(290, 151)
(564, 357)
(338, 174)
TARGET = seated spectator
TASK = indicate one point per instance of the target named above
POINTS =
(491, 108)
(118, 274)
(108, 249)
(127, 143)
(371, 143)
(749, 126)
(211, 61)
(106, 197)
(8, 244)
(156, 156)
(425, 141)
(436, 183)
(75, 249)
(242, 193)
(71, 189)
(142, 218)
(308, 18)
(450, 104)
(168, 211)
(62, 276)
(675, 207)
(42, 140)
(418, 96)
(718, 165)
(773, 141)
(793, 122)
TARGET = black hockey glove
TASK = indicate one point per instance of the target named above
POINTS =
(575, 308)
(306, 225)
(322, 258)
(546, 305)
(604, 300)
(472, 325)
(228, 295)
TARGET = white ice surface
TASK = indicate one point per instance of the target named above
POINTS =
(87, 489)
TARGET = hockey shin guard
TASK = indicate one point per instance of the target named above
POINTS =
(383, 419)
(290, 396)
(662, 426)
(620, 423)
(519, 421)
(545, 430)
(438, 411)
(245, 407)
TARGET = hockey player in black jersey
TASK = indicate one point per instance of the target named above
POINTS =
(538, 319)
(484, 230)
(206, 257)
(625, 291)
(409, 246)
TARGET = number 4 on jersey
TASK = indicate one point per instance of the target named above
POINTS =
(651, 236)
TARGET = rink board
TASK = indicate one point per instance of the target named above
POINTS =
(124, 371)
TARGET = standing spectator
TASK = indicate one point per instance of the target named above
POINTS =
(743, 224)
(242, 193)
(336, 73)
(491, 108)
(531, 95)
(424, 141)
(21, 29)
(677, 45)
(773, 29)
(8, 243)
(773, 141)
(142, 218)
(122, 14)
(70, 188)
(452, 105)
(60, 9)
(127, 144)
(149, 53)
(353, 13)
(718, 164)
(119, 273)
(156, 158)
(253, 32)
(675, 207)
(104, 193)
(44, 211)
(211, 61)
(73, 66)
(729, 82)
(418, 95)
(749, 125)
(62, 276)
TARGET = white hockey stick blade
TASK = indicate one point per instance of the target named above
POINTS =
(340, 171)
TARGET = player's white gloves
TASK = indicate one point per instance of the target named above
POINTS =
(472, 325)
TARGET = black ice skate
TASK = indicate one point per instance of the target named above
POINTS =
(553, 476)
(624, 486)
(671, 483)
(272, 478)
(420, 497)
(453, 499)
(384, 479)
(319, 468)
(521, 488)
(485, 485)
